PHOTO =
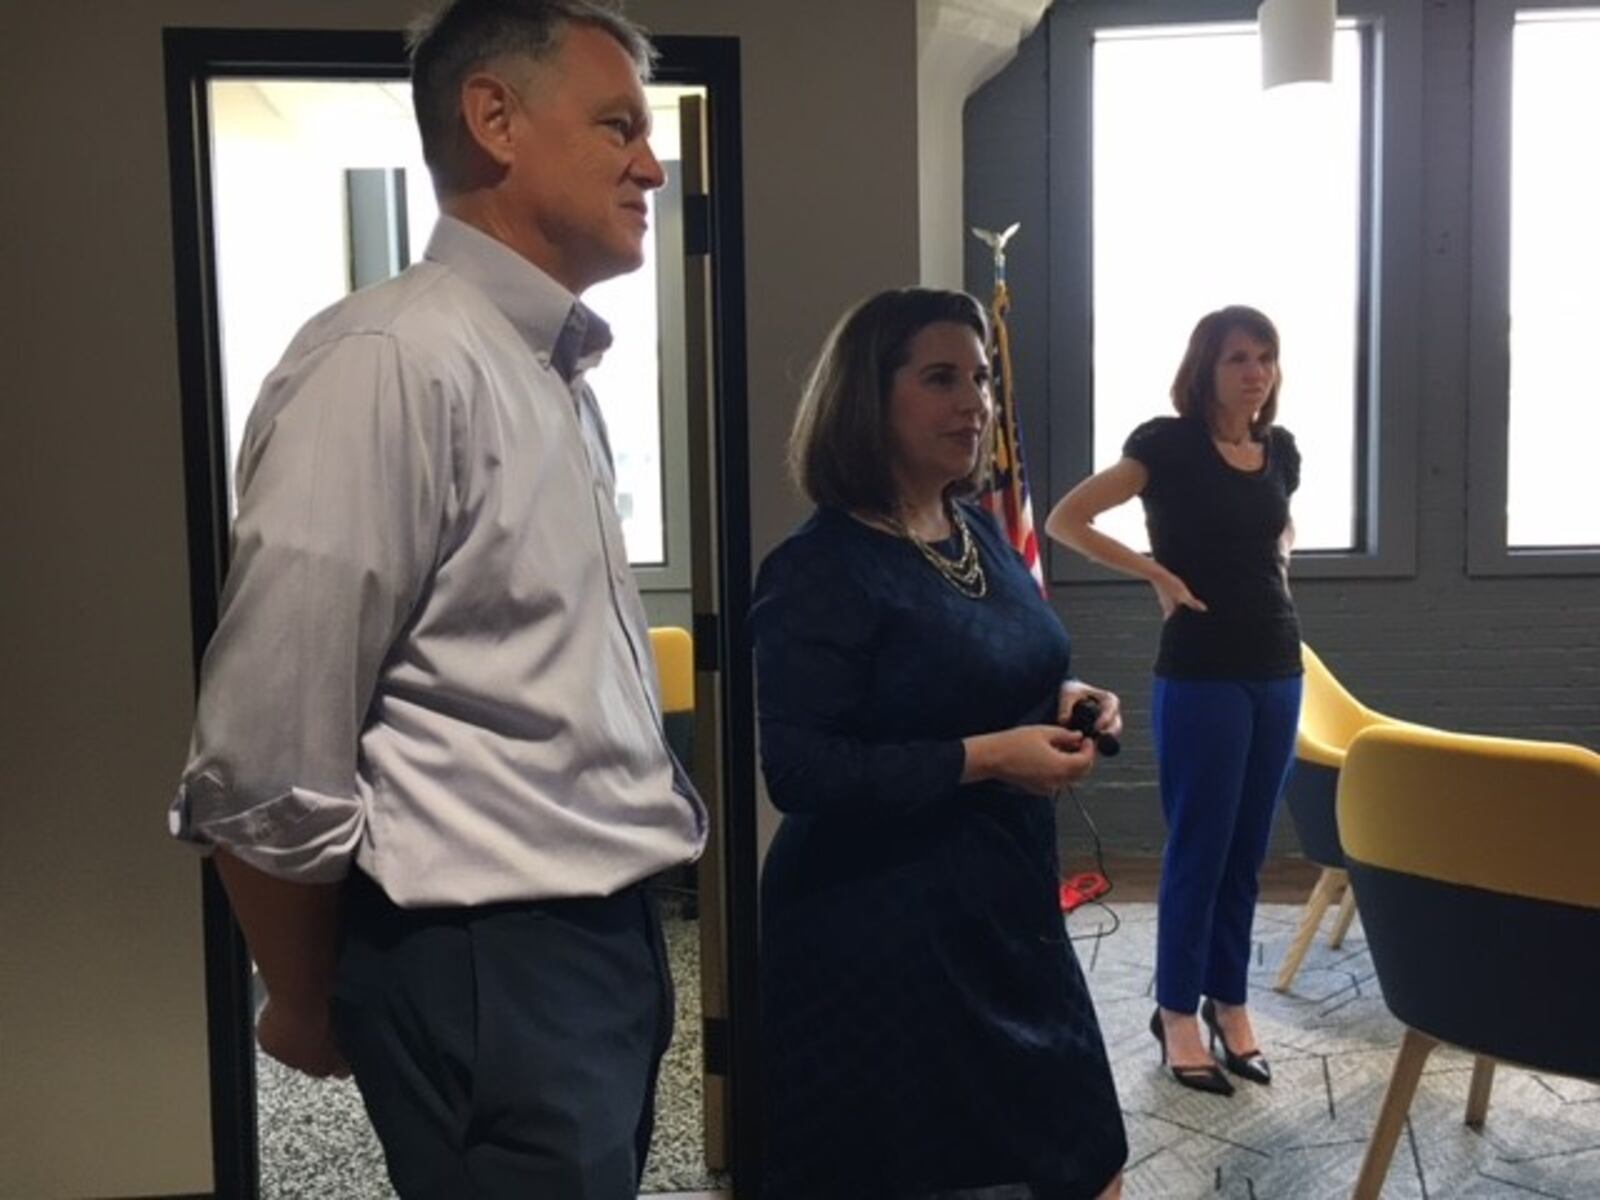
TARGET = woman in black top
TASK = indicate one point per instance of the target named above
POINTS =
(1215, 481)
(925, 1027)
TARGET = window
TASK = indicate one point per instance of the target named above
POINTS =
(643, 375)
(1177, 185)
(293, 162)
(1536, 506)
(281, 150)
(1552, 490)
(626, 385)
(1209, 191)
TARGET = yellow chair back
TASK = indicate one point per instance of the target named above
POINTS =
(1521, 818)
(1330, 717)
(674, 654)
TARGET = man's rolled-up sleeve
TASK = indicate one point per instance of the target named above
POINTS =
(298, 835)
(344, 488)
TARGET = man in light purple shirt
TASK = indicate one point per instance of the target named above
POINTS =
(428, 754)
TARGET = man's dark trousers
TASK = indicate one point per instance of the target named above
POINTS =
(508, 1050)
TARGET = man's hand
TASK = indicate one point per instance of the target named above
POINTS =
(292, 930)
(301, 1040)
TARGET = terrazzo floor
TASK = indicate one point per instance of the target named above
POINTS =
(1330, 1039)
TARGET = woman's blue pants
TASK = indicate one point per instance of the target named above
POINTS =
(1223, 749)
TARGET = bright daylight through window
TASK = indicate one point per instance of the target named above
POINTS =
(628, 379)
(1209, 191)
(280, 152)
(1552, 487)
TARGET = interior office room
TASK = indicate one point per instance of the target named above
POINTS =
(1446, 572)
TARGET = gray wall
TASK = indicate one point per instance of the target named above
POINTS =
(1511, 656)
(103, 1084)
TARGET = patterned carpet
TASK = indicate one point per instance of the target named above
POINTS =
(1331, 1042)
(1332, 1045)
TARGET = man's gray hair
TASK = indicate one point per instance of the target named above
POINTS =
(463, 36)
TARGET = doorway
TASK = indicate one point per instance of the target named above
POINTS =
(297, 178)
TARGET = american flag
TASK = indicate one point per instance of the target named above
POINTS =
(1007, 493)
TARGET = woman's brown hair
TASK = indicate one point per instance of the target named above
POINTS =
(839, 447)
(1194, 388)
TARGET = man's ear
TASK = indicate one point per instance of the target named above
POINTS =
(489, 108)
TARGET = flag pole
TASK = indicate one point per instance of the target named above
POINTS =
(1007, 494)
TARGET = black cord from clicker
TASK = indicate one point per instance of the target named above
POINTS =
(1100, 866)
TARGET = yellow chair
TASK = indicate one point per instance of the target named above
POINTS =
(1330, 718)
(673, 649)
(1474, 863)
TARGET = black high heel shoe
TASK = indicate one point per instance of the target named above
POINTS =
(1252, 1066)
(1208, 1078)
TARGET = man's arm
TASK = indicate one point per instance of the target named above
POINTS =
(343, 479)
(292, 930)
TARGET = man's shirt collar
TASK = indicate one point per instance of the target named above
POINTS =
(559, 327)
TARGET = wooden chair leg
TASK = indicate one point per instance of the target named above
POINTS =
(1414, 1050)
(1478, 1093)
(1347, 911)
(1321, 897)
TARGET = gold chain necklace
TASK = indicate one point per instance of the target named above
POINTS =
(965, 571)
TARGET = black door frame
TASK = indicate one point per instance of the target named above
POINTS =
(193, 58)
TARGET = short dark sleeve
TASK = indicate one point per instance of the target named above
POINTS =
(1288, 455)
(1154, 443)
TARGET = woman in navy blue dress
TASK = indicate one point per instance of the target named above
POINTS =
(925, 1025)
